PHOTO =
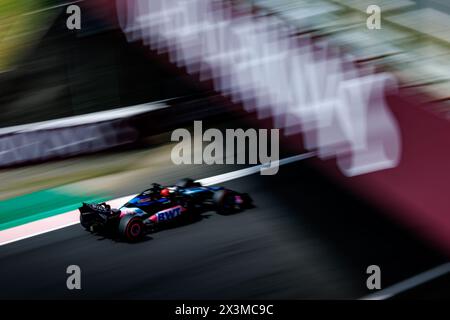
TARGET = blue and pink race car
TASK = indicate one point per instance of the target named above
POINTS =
(159, 206)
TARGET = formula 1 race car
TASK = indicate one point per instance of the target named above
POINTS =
(160, 205)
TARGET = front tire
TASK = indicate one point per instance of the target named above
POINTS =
(131, 228)
(224, 202)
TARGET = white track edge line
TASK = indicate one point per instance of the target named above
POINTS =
(39, 233)
(409, 283)
(252, 170)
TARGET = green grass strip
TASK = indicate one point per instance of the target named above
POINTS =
(39, 205)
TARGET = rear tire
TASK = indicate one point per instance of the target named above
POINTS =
(84, 224)
(131, 228)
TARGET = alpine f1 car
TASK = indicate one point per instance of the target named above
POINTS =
(160, 205)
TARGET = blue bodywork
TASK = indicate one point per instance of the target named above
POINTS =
(146, 202)
(197, 190)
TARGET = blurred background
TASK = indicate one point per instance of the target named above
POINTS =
(48, 72)
(86, 115)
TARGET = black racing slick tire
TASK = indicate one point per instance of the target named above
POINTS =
(248, 201)
(224, 202)
(131, 228)
(84, 224)
(187, 183)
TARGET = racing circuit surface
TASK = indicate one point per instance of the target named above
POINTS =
(308, 239)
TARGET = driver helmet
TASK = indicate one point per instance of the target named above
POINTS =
(165, 192)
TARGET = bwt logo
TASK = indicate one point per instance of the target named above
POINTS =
(238, 144)
(168, 214)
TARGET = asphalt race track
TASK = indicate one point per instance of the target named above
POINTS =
(305, 239)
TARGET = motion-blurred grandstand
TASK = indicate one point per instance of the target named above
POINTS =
(62, 70)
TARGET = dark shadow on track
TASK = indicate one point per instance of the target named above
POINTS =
(348, 226)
